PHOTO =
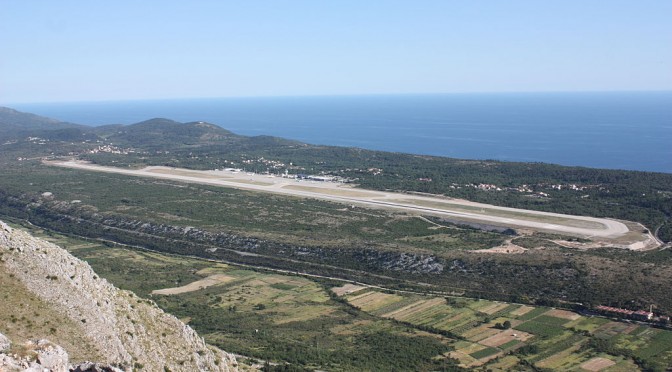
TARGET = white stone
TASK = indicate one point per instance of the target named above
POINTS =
(4, 343)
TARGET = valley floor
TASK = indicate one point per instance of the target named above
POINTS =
(320, 324)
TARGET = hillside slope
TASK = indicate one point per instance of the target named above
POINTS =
(158, 133)
(13, 119)
(123, 329)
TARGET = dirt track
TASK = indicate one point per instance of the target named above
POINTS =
(456, 209)
(195, 286)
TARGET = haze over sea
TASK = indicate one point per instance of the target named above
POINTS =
(604, 130)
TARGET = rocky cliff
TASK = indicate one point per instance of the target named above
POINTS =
(129, 332)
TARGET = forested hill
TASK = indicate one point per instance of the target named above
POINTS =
(165, 133)
(639, 196)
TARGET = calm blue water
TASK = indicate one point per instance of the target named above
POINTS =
(604, 130)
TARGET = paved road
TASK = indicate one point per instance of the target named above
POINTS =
(442, 207)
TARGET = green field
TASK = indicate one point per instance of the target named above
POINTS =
(562, 342)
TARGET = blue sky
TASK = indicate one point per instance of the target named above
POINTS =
(53, 51)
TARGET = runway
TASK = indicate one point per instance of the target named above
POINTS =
(455, 209)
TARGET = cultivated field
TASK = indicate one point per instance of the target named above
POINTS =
(544, 337)
(195, 286)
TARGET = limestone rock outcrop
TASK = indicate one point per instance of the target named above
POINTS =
(41, 356)
(4, 343)
(37, 355)
(130, 331)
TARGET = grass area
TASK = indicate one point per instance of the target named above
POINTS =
(509, 345)
(551, 320)
(533, 314)
(588, 324)
(540, 329)
(484, 353)
(532, 242)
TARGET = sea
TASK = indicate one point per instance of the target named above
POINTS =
(616, 130)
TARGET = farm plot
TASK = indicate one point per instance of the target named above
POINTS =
(394, 305)
(659, 346)
(493, 308)
(506, 363)
(611, 329)
(484, 353)
(565, 360)
(473, 354)
(505, 337)
(372, 300)
(548, 348)
(551, 320)
(522, 310)
(597, 364)
(195, 286)
(587, 324)
(479, 333)
(463, 352)
(563, 314)
(533, 313)
(419, 312)
(540, 329)
(458, 319)
(346, 289)
(557, 339)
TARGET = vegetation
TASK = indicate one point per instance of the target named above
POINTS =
(24, 316)
(299, 323)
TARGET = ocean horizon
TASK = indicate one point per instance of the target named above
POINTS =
(614, 130)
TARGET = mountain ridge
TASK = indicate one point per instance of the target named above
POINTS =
(18, 120)
(155, 133)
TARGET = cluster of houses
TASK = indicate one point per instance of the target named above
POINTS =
(641, 315)
(529, 189)
(570, 187)
(111, 149)
(272, 164)
(38, 140)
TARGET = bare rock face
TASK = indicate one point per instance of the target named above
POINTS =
(130, 331)
(4, 343)
(94, 367)
(40, 355)
(49, 356)
(44, 356)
